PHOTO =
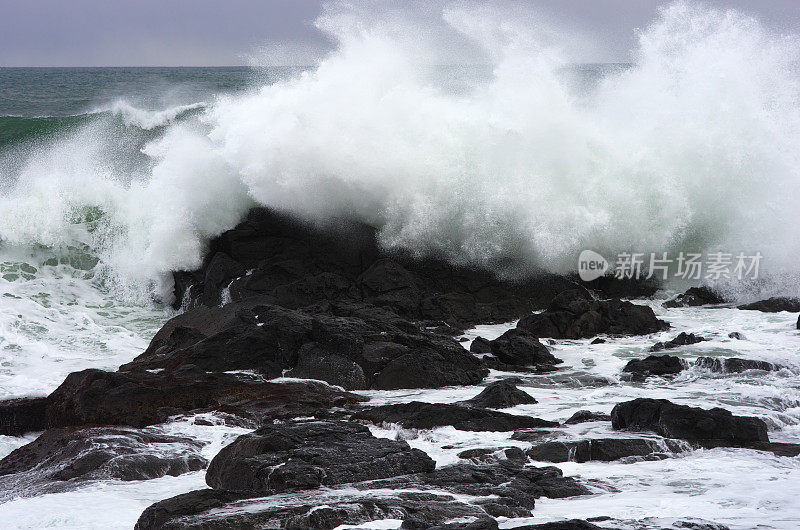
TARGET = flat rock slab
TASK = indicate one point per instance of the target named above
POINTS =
(734, 364)
(314, 510)
(64, 459)
(419, 415)
(604, 449)
(688, 423)
(300, 456)
(143, 398)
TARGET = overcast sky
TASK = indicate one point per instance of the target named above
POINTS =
(227, 32)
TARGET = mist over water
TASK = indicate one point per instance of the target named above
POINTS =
(518, 164)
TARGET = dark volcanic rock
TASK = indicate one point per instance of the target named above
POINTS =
(143, 398)
(419, 415)
(569, 524)
(683, 339)
(774, 305)
(371, 351)
(500, 395)
(63, 459)
(572, 316)
(655, 365)
(695, 296)
(519, 347)
(736, 335)
(314, 510)
(480, 345)
(287, 457)
(733, 364)
(18, 416)
(603, 449)
(583, 416)
(688, 423)
(512, 481)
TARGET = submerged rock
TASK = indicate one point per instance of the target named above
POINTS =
(688, 423)
(583, 416)
(573, 315)
(660, 365)
(569, 524)
(419, 415)
(733, 364)
(277, 458)
(774, 305)
(603, 449)
(736, 335)
(695, 296)
(683, 339)
(500, 395)
(65, 459)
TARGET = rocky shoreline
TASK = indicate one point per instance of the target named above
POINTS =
(284, 325)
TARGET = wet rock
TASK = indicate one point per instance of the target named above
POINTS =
(480, 345)
(519, 347)
(18, 416)
(487, 455)
(314, 510)
(583, 416)
(733, 364)
(569, 524)
(695, 296)
(798, 322)
(500, 395)
(315, 363)
(419, 415)
(736, 335)
(64, 459)
(511, 481)
(598, 341)
(603, 449)
(683, 339)
(660, 365)
(288, 457)
(139, 399)
(774, 305)
(688, 423)
(377, 351)
(571, 315)
(481, 524)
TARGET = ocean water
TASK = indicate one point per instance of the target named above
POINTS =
(111, 178)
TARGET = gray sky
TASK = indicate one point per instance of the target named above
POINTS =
(226, 32)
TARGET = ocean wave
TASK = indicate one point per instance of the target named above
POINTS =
(692, 148)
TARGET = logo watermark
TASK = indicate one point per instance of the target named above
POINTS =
(686, 265)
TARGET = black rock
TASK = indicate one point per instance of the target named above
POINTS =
(660, 365)
(774, 305)
(734, 364)
(583, 416)
(419, 415)
(18, 416)
(798, 322)
(598, 341)
(603, 449)
(519, 347)
(570, 524)
(373, 350)
(571, 315)
(500, 395)
(683, 339)
(695, 296)
(688, 423)
(314, 510)
(487, 455)
(301, 456)
(142, 398)
(64, 459)
(736, 335)
(480, 345)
